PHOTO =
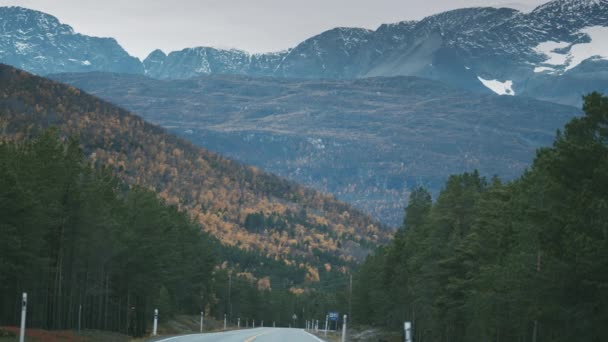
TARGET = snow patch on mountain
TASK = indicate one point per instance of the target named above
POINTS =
(544, 69)
(597, 47)
(22, 48)
(552, 51)
(500, 88)
(567, 56)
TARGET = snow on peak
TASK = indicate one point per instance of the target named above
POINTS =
(500, 88)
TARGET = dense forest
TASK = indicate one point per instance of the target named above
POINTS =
(71, 236)
(241, 206)
(491, 261)
(74, 237)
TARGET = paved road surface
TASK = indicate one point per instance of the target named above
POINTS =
(249, 335)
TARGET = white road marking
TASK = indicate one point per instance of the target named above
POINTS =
(315, 337)
(172, 338)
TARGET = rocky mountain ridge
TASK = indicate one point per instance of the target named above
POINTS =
(499, 50)
(38, 42)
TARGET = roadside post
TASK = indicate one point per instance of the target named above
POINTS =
(238, 322)
(224, 321)
(155, 328)
(326, 323)
(202, 320)
(23, 315)
(253, 323)
(344, 329)
(262, 324)
(407, 329)
(79, 317)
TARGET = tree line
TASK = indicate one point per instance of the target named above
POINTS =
(525, 260)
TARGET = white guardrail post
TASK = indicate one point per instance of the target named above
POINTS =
(154, 329)
(23, 316)
(344, 329)
(407, 330)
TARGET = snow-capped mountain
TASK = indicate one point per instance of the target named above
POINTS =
(484, 49)
(556, 52)
(38, 42)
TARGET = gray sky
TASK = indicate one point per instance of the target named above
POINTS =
(141, 26)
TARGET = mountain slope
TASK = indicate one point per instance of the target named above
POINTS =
(369, 141)
(242, 206)
(39, 43)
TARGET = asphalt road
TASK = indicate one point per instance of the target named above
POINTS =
(248, 335)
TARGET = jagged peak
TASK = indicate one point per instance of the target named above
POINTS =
(156, 54)
(344, 29)
(211, 48)
(399, 23)
(42, 20)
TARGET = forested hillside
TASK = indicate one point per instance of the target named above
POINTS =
(239, 205)
(81, 243)
(491, 261)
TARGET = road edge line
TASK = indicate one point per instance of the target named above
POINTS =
(315, 337)
(174, 337)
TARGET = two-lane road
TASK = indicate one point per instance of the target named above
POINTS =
(249, 335)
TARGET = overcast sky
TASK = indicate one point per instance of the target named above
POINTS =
(141, 26)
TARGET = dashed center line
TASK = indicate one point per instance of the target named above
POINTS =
(250, 339)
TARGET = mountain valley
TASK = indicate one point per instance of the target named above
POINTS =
(368, 141)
